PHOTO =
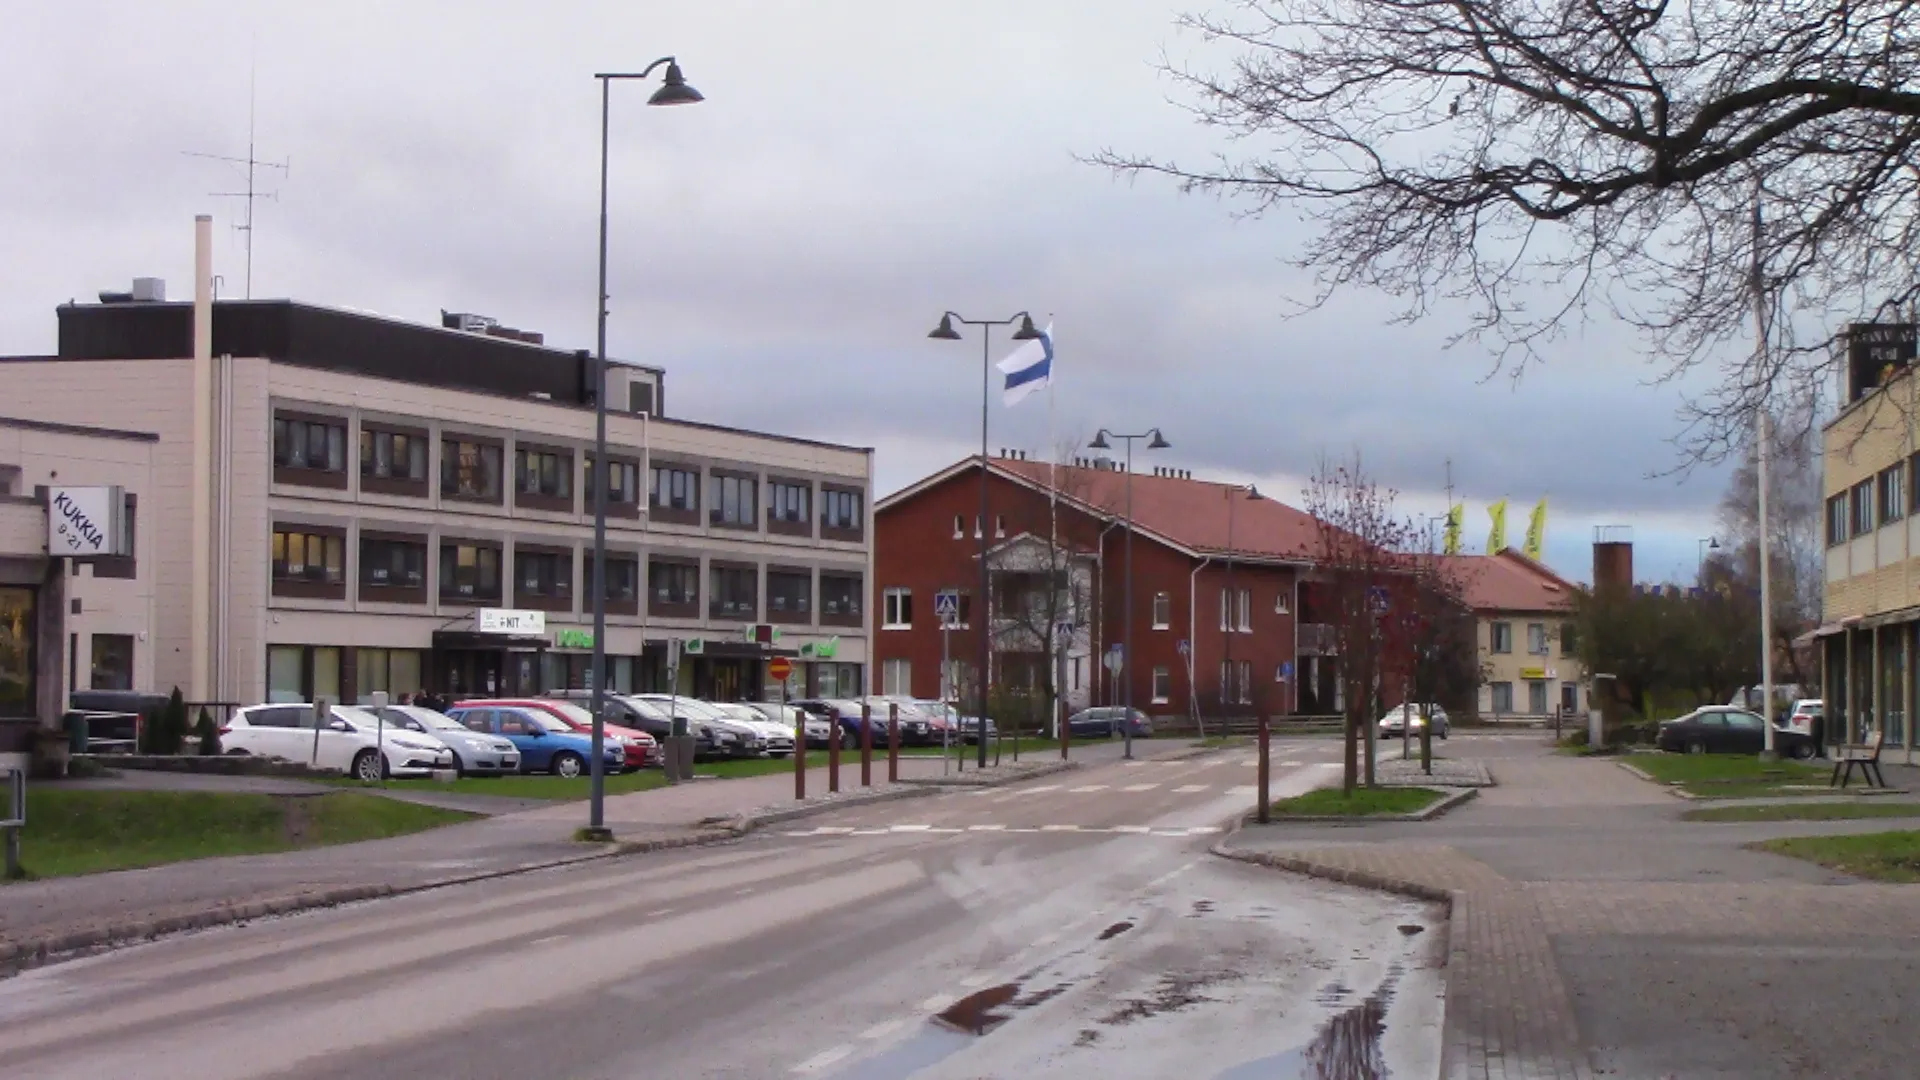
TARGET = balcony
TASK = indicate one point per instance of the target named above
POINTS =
(1318, 639)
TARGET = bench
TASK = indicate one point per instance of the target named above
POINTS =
(1865, 755)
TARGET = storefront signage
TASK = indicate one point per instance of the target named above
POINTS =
(1536, 673)
(84, 521)
(509, 621)
(822, 650)
(573, 639)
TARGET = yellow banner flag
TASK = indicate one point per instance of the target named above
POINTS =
(1456, 521)
(1536, 531)
(1497, 539)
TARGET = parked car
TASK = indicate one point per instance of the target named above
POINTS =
(473, 753)
(964, 728)
(845, 713)
(632, 712)
(1408, 719)
(816, 729)
(917, 728)
(747, 742)
(546, 743)
(1723, 729)
(1806, 717)
(1105, 721)
(776, 737)
(640, 749)
(352, 741)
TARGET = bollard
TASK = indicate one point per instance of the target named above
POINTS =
(1266, 773)
(1065, 732)
(1426, 748)
(866, 744)
(833, 757)
(893, 743)
(799, 749)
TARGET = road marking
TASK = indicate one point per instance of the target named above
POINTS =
(908, 828)
(883, 1029)
(1084, 788)
(1169, 876)
(1139, 787)
(1189, 789)
(1132, 828)
(829, 830)
(1251, 763)
(986, 828)
(746, 891)
(1202, 830)
(1244, 791)
(1022, 830)
(867, 832)
(976, 980)
(1043, 942)
(1133, 764)
(936, 1003)
(823, 1059)
(549, 939)
(1059, 828)
(659, 913)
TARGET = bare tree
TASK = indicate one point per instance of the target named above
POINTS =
(1537, 162)
(1042, 575)
(1795, 513)
(1357, 567)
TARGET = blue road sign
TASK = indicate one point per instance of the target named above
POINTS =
(946, 606)
(1286, 671)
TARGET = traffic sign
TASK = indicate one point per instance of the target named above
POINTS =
(779, 669)
(1183, 648)
(946, 606)
(1114, 660)
(1286, 671)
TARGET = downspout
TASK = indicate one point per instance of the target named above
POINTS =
(1096, 657)
(1193, 637)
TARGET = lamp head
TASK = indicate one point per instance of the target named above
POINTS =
(945, 331)
(1158, 442)
(1253, 494)
(1026, 331)
(1713, 543)
(675, 91)
(1100, 441)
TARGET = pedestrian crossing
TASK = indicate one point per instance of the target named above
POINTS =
(830, 831)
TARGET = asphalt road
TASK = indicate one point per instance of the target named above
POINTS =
(1074, 926)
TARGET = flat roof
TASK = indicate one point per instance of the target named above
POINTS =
(77, 429)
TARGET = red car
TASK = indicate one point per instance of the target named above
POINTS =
(642, 749)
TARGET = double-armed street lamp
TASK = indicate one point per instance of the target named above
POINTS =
(1103, 440)
(1025, 331)
(673, 91)
(1230, 611)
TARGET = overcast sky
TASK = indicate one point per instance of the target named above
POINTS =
(783, 249)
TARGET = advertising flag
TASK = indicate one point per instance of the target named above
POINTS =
(1497, 539)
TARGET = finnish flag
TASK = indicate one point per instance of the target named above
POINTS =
(1029, 368)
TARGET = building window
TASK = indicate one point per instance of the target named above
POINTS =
(394, 564)
(320, 445)
(299, 555)
(469, 572)
(1863, 508)
(789, 502)
(1893, 494)
(1245, 622)
(1536, 698)
(546, 473)
(1837, 520)
(301, 673)
(623, 486)
(469, 470)
(897, 677)
(735, 501)
(789, 593)
(393, 455)
(1246, 682)
(1162, 610)
(1502, 698)
(999, 527)
(397, 671)
(1162, 685)
(1501, 637)
(112, 667)
(840, 598)
(959, 527)
(898, 612)
(19, 626)
(1537, 639)
(840, 510)
(674, 583)
(1566, 639)
(674, 488)
(1281, 602)
(547, 574)
(735, 592)
(623, 577)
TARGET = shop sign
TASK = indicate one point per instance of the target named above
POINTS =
(85, 521)
(822, 650)
(509, 621)
(1534, 674)
(573, 639)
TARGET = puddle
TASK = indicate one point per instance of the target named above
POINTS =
(1115, 930)
(1410, 929)
(974, 1013)
(1175, 991)
(1347, 1046)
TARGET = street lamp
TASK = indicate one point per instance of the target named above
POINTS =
(673, 91)
(945, 332)
(1155, 441)
(1229, 611)
(1711, 543)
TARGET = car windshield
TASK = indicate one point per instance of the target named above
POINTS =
(689, 707)
(359, 718)
(579, 716)
(431, 720)
(550, 724)
(738, 712)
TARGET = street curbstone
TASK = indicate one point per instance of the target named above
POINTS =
(1451, 798)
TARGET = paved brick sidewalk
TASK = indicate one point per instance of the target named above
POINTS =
(1690, 955)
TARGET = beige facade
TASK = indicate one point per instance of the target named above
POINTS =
(336, 617)
(1531, 672)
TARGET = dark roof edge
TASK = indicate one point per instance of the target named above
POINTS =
(78, 429)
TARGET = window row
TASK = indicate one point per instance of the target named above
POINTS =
(1883, 499)
(394, 461)
(1501, 698)
(1539, 638)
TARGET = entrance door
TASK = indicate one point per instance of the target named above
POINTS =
(727, 684)
(1569, 698)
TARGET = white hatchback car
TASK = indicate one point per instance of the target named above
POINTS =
(353, 741)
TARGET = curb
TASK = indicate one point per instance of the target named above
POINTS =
(1451, 798)
(30, 953)
(1363, 879)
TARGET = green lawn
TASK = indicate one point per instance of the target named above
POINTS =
(1812, 811)
(1715, 768)
(542, 786)
(1887, 856)
(1364, 802)
(87, 832)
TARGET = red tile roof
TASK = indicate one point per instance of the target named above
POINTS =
(1190, 513)
(1509, 581)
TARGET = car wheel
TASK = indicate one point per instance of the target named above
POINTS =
(459, 767)
(1696, 747)
(1801, 751)
(366, 765)
(237, 752)
(568, 764)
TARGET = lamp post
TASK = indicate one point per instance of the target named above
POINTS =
(1155, 441)
(1711, 543)
(673, 91)
(945, 332)
(1229, 611)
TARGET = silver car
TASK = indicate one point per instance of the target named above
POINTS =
(747, 742)
(473, 751)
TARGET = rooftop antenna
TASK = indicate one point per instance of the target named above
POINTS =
(252, 164)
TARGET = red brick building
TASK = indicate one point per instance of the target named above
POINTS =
(1214, 568)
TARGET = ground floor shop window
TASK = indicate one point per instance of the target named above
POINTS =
(112, 667)
(574, 671)
(297, 673)
(1536, 698)
(1502, 697)
(396, 671)
(836, 680)
(18, 624)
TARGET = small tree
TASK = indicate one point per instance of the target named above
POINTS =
(166, 731)
(207, 733)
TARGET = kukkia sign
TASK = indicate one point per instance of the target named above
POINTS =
(84, 521)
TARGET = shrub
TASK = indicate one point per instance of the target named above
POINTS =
(166, 731)
(207, 733)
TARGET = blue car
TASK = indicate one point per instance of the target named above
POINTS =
(545, 744)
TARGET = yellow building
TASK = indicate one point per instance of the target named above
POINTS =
(1524, 611)
(1872, 582)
